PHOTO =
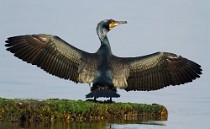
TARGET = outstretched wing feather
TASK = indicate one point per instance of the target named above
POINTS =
(48, 52)
(158, 70)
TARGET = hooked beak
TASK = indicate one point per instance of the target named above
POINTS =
(115, 23)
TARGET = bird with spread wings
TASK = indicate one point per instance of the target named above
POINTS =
(105, 71)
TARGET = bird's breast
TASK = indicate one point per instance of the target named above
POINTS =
(104, 73)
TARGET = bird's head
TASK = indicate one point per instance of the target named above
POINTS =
(105, 26)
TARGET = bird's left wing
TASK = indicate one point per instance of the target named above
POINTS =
(48, 52)
(155, 71)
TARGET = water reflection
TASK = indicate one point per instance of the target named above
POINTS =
(77, 125)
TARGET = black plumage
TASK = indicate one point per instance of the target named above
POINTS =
(102, 69)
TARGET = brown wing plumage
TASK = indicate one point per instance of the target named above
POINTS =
(120, 71)
(48, 52)
(159, 70)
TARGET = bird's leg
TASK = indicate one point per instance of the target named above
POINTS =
(94, 99)
(110, 126)
(110, 99)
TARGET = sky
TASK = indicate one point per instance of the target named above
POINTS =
(181, 27)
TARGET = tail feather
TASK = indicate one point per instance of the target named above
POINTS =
(106, 93)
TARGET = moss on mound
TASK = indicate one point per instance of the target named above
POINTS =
(77, 110)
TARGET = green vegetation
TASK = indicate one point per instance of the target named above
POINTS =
(77, 110)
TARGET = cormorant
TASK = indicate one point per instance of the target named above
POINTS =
(105, 71)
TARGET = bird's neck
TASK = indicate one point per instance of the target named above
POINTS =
(105, 42)
(105, 46)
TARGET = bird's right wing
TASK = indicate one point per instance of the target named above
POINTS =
(48, 52)
(155, 71)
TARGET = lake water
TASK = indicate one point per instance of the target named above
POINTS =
(188, 105)
(80, 125)
(181, 27)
